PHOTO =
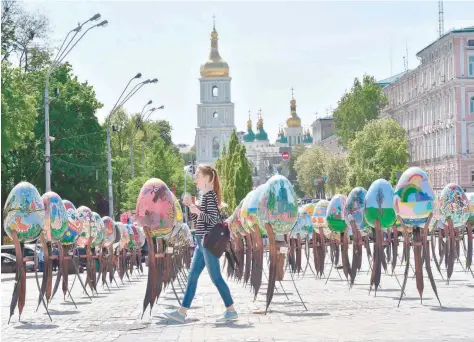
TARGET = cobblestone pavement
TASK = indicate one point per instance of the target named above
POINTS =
(334, 312)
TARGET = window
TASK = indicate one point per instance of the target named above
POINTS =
(215, 115)
(215, 91)
(471, 105)
(470, 42)
(472, 178)
(471, 66)
(216, 147)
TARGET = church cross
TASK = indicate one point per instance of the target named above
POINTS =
(249, 114)
(260, 113)
(292, 89)
(214, 22)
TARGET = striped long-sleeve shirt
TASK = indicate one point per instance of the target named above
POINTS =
(209, 215)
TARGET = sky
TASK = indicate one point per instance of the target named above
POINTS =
(318, 48)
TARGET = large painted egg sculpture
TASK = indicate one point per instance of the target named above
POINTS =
(238, 225)
(304, 226)
(156, 208)
(355, 207)
(85, 216)
(55, 220)
(278, 206)
(74, 225)
(124, 237)
(413, 197)
(243, 216)
(470, 198)
(252, 206)
(141, 237)
(309, 208)
(335, 216)
(436, 219)
(319, 214)
(117, 234)
(109, 231)
(453, 204)
(379, 204)
(133, 237)
(24, 212)
(97, 230)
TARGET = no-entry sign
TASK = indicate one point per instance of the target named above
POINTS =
(285, 155)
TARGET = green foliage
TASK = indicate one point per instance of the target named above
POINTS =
(296, 152)
(357, 107)
(309, 165)
(235, 172)
(378, 151)
(18, 108)
(336, 173)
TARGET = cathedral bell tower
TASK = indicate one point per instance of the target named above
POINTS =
(215, 112)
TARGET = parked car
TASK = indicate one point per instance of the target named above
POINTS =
(9, 264)
(28, 250)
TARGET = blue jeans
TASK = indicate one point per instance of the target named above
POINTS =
(202, 257)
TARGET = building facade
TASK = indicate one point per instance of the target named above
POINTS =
(215, 112)
(434, 103)
(323, 135)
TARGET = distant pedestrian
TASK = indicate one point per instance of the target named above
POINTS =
(41, 261)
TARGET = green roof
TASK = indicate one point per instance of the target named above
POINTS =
(463, 30)
(250, 136)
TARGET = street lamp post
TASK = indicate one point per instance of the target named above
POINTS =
(61, 54)
(116, 107)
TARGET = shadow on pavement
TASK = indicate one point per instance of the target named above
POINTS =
(26, 325)
(452, 309)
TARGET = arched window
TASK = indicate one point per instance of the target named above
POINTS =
(471, 105)
(215, 91)
(215, 115)
(216, 148)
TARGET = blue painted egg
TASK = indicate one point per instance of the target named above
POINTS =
(335, 216)
(304, 226)
(355, 207)
(379, 204)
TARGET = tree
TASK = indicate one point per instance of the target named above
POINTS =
(357, 107)
(235, 172)
(296, 152)
(23, 34)
(308, 166)
(336, 173)
(18, 108)
(378, 151)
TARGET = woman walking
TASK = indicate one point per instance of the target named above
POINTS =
(205, 217)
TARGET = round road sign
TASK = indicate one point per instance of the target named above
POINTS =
(285, 155)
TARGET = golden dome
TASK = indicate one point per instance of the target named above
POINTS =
(215, 65)
(293, 120)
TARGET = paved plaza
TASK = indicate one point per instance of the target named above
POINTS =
(334, 312)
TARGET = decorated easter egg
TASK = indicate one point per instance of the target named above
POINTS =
(379, 204)
(278, 206)
(470, 198)
(252, 207)
(243, 213)
(141, 237)
(109, 231)
(179, 211)
(303, 226)
(309, 208)
(436, 219)
(335, 215)
(117, 233)
(24, 212)
(413, 197)
(85, 216)
(124, 235)
(319, 214)
(355, 207)
(55, 220)
(156, 208)
(97, 230)
(454, 205)
(74, 225)
(133, 237)
(237, 223)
